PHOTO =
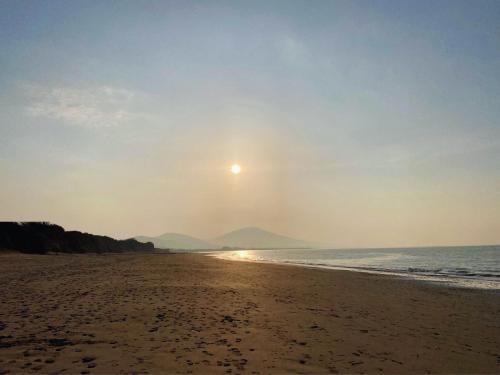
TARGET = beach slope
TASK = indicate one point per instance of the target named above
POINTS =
(189, 313)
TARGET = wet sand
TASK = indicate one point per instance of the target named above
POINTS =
(158, 313)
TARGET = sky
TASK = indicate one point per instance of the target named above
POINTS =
(356, 123)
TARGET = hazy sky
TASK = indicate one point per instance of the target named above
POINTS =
(356, 123)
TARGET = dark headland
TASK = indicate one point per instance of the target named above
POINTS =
(43, 237)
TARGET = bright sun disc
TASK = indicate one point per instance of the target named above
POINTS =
(235, 169)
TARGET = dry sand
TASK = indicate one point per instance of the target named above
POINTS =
(78, 314)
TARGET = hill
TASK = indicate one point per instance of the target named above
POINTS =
(257, 238)
(42, 237)
(178, 242)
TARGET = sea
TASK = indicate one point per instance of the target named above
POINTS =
(464, 266)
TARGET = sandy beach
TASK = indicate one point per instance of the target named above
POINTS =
(190, 313)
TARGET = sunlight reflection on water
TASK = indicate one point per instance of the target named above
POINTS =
(474, 266)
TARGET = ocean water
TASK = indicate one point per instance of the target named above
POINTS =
(468, 266)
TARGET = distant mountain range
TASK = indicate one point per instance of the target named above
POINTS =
(257, 238)
(177, 241)
(245, 238)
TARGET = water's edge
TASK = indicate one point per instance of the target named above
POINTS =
(444, 280)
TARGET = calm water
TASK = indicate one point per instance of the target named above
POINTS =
(471, 266)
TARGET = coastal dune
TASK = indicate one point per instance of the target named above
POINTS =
(190, 313)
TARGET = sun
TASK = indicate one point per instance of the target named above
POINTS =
(235, 169)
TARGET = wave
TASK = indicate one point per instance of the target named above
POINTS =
(453, 271)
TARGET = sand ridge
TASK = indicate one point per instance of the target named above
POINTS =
(189, 313)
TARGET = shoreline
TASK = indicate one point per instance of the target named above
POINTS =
(191, 313)
(451, 281)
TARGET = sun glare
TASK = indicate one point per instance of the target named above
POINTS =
(235, 169)
(242, 254)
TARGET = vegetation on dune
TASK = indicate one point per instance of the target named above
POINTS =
(42, 237)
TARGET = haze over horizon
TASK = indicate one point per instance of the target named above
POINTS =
(357, 124)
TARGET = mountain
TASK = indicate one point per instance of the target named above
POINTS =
(250, 237)
(257, 238)
(177, 241)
